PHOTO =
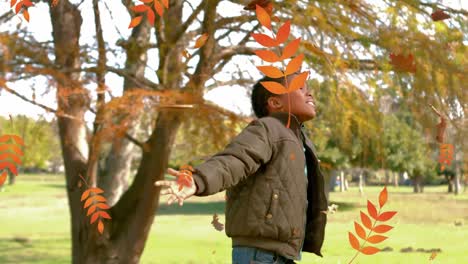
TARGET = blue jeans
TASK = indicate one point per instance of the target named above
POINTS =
(252, 255)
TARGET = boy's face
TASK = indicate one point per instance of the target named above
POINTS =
(302, 102)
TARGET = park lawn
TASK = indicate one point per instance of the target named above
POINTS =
(35, 226)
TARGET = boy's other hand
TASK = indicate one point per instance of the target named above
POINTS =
(173, 189)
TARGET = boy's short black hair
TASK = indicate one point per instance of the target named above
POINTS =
(260, 96)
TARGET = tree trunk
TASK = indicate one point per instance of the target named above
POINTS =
(11, 178)
(457, 183)
(361, 183)
(417, 187)
(450, 183)
(342, 188)
(396, 179)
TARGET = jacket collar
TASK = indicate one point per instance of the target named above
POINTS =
(296, 126)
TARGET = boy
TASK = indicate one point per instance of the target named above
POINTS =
(275, 190)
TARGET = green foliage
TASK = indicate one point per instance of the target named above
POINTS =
(42, 148)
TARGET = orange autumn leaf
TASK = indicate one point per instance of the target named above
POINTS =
(369, 250)
(159, 8)
(140, 8)
(294, 65)
(91, 209)
(353, 241)
(359, 230)
(165, 3)
(283, 32)
(201, 41)
(298, 81)
(264, 40)
(383, 197)
(12, 3)
(274, 87)
(439, 15)
(385, 216)
(366, 220)
(17, 139)
(14, 148)
(100, 227)
(271, 71)
(90, 190)
(104, 214)
(372, 210)
(376, 239)
(10, 166)
(135, 22)
(382, 228)
(54, 3)
(403, 63)
(18, 6)
(94, 217)
(267, 55)
(26, 15)
(3, 177)
(263, 17)
(290, 49)
(12, 156)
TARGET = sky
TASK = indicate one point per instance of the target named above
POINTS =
(115, 25)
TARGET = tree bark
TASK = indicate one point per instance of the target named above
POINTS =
(361, 183)
(417, 185)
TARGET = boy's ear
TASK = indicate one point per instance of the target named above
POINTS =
(274, 103)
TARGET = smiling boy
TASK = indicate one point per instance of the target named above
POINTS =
(273, 182)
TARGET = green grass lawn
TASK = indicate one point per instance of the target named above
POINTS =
(35, 226)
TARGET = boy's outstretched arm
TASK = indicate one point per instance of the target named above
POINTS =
(241, 157)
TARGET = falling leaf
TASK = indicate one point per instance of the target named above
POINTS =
(100, 227)
(353, 241)
(383, 197)
(283, 32)
(385, 216)
(376, 239)
(292, 156)
(263, 17)
(298, 81)
(135, 22)
(3, 177)
(403, 63)
(366, 220)
(370, 250)
(267, 55)
(271, 71)
(26, 16)
(217, 225)
(294, 65)
(439, 15)
(382, 228)
(201, 41)
(274, 87)
(372, 210)
(264, 40)
(290, 49)
(359, 230)
(252, 5)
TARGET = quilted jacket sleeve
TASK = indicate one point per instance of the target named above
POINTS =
(241, 158)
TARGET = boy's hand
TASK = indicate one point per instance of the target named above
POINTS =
(173, 189)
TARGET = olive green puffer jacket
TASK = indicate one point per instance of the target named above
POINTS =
(262, 171)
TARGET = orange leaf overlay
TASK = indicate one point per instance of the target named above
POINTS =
(403, 63)
(184, 178)
(366, 221)
(143, 8)
(10, 155)
(264, 16)
(22, 4)
(95, 201)
(201, 41)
